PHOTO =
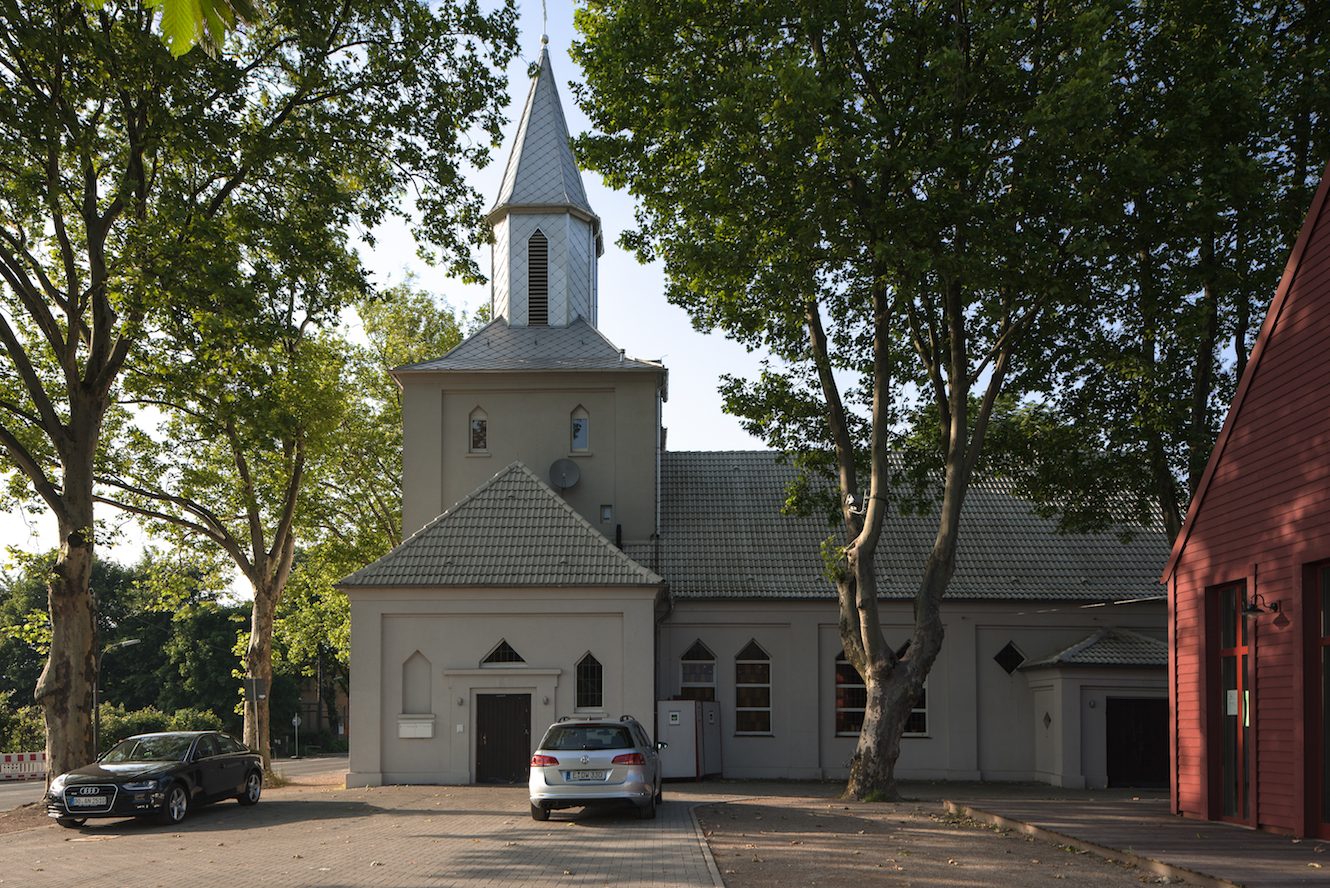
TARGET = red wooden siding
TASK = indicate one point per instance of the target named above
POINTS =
(1261, 515)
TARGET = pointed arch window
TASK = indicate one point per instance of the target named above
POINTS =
(538, 279)
(752, 690)
(478, 440)
(590, 683)
(502, 655)
(697, 673)
(579, 430)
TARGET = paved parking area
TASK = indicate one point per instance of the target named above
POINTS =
(391, 836)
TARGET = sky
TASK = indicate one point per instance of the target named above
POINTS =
(633, 312)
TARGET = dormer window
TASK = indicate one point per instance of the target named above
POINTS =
(538, 280)
(580, 430)
(479, 438)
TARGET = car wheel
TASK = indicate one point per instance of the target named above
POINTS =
(176, 805)
(660, 794)
(253, 789)
(539, 813)
(647, 811)
(71, 822)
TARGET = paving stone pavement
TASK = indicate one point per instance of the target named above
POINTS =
(402, 836)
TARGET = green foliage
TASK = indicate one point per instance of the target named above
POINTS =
(21, 728)
(193, 720)
(1221, 137)
(186, 23)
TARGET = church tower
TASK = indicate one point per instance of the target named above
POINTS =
(547, 240)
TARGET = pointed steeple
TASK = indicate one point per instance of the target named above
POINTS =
(547, 239)
(541, 171)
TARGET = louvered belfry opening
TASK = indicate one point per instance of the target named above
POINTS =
(538, 280)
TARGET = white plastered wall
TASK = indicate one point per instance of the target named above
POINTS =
(455, 629)
(528, 421)
(981, 722)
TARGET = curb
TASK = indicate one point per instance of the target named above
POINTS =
(716, 880)
(1148, 864)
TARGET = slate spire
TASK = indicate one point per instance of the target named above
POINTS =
(541, 171)
(547, 239)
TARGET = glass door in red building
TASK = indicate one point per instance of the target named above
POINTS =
(1321, 669)
(1234, 702)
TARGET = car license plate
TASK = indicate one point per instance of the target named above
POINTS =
(86, 801)
(586, 775)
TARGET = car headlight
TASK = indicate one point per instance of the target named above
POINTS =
(139, 785)
(58, 784)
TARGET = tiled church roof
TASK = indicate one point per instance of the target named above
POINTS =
(513, 530)
(1109, 647)
(722, 536)
(498, 346)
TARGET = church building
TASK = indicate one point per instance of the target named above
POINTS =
(562, 562)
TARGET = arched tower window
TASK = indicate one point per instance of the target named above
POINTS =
(579, 430)
(590, 683)
(538, 279)
(478, 439)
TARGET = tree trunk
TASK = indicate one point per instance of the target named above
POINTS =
(258, 665)
(64, 689)
(873, 767)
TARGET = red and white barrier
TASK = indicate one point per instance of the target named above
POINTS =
(22, 765)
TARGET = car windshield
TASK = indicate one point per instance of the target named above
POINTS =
(587, 737)
(156, 748)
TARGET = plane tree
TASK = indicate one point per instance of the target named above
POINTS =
(897, 201)
(120, 168)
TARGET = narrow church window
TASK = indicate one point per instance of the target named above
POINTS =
(503, 653)
(590, 683)
(480, 438)
(697, 673)
(917, 724)
(416, 689)
(851, 698)
(752, 690)
(580, 430)
(538, 279)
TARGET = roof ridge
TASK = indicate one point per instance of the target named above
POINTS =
(436, 519)
(614, 550)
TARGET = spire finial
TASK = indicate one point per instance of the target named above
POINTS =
(544, 25)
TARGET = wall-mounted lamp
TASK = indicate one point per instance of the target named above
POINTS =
(1256, 605)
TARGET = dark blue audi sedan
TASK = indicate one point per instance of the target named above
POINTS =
(157, 775)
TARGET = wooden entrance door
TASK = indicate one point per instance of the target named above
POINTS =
(503, 737)
(1136, 737)
(1230, 708)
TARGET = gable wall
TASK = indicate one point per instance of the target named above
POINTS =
(1265, 514)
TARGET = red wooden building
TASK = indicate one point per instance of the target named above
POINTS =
(1249, 578)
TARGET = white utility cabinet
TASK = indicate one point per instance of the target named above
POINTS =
(691, 730)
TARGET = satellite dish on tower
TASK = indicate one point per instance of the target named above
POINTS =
(564, 473)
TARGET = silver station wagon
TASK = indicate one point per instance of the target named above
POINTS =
(585, 762)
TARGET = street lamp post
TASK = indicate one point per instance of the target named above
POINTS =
(96, 685)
